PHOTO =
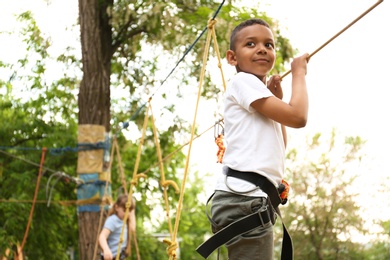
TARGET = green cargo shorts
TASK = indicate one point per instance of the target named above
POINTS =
(227, 208)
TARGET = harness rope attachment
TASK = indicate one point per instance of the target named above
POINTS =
(219, 141)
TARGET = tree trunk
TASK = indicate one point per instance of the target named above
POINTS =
(94, 96)
(93, 102)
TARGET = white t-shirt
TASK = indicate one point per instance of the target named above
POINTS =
(254, 143)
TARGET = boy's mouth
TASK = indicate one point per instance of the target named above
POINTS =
(261, 60)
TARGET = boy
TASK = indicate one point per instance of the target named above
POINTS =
(255, 119)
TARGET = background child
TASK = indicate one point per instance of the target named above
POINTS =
(255, 118)
(110, 235)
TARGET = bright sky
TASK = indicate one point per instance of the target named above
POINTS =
(348, 88)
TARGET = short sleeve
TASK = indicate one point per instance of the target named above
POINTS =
(246, 88)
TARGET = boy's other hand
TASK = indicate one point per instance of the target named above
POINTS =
(274, 84)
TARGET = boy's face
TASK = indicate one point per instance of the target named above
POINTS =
(254, 51)
(120, 211)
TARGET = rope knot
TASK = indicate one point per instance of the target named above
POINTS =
(172, 183)
(211, 23)
(172, 246)
(135, 179)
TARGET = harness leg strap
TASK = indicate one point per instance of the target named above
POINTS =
(250, 222)
(236, 228)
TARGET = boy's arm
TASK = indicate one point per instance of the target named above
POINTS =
(132, 220)
(274, 85)
(107, 254)
(292, 114)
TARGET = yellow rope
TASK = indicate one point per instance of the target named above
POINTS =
(212, 28)
(121, 169)
(177, 150)
(104, 196)
(164, 183)
(134, 180)
(173, 244)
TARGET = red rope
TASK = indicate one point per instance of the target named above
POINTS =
(34, 200)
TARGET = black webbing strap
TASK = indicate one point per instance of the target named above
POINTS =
(236, 228)
(260, 181)
(251, 221)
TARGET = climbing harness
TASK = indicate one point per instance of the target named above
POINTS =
(251, 221)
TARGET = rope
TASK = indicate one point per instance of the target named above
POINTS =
(59, 151)
(164, 183)
(104, 196)
(340, 32)
(61, 202)
(175, 151)
(211, 27)
(126, 124)
(59, 175)
(173, 244)
(221, 147)
(31, 162)
(134, 180)
(121, 169)
(34, 200)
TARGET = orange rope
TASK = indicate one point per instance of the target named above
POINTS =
(44, 149)
(221, 147)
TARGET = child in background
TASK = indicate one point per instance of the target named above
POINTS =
(110, 235)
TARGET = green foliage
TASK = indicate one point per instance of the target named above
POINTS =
(322, 214)
(39, 111)
(20, 166)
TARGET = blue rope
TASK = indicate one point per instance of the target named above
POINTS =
(60, 151)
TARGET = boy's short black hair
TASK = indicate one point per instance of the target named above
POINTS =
(244, 25)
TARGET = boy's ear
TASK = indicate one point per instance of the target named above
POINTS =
(231, 57)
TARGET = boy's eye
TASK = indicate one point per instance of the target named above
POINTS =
(250, 44)
(269, 45)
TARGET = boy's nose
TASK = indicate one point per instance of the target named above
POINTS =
(261, 49)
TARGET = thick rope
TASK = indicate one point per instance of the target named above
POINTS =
(121, 169)
(164, 183)
(134, 180)
(102, 205)
(176, 151)
(173, 244)
(212, 28)
(34, 200)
